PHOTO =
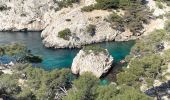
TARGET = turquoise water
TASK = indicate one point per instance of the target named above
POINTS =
(60, 58)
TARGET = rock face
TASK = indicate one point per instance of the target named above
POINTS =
(45, 16)
(78, 23)
(29, 15)
(98, 63)
(37, 15)
(20, 15)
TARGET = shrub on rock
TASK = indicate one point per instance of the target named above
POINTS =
(88, 8)
(91, 29)
(65, 34)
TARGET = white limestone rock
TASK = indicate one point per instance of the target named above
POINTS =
(78, 25)
(25, 14)
(98, 63)
(30, 15)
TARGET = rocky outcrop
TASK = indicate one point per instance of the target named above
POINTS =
(29, 15)
(78, 23)
(98, 63)
(26, 15)
(38, 15)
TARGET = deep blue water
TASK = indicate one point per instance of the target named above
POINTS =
(60, 58)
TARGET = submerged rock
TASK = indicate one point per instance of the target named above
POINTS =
(98, 63)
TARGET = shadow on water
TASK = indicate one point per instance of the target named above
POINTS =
(160, 91)
(110, 76)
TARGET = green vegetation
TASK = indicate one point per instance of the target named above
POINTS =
(65, 34)
(147, 67)
(8, 85)
(164, 1)
(87, 88)
(115, 18)
(84, 88)
(94, 49)
(20, 52)
(38, 84)
(88, 8)
(167, 26)
(65, 3)
(136, 14)
(4, 7)
(13, 49)
(116, 21)
(159, 5)
(135, 17)
(146, 63)
(148, 45)
(107, 4)
(91, 29)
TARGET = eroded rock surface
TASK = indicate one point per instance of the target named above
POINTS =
(78, 23)
(97, 63)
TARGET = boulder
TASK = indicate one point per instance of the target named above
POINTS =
(97, 63)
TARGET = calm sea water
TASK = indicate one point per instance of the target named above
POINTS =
(60, 58)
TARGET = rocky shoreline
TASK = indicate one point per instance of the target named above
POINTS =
(31, 15)
(84, 27)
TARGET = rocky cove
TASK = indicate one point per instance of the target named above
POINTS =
(31, 15)
(60, 58)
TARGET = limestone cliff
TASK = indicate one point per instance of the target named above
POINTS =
(28, 15)
(48, 17)
(78, 23)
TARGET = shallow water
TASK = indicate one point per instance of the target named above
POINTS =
(60, 58)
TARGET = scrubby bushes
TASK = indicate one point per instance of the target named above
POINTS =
(8, 86)
(94, 49)
(65, 3)
(13, 49)
(4, 7)
(19, 52)
(159, 5)
(37, 83)
(107, 4)
(117, 22)
(65, 34)
(102, 4)
(91, 29)
(115, 18)
(147, 64)
(87, 88)
(88, 8)
(167, 25)
(148, 45)
(135, 16)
